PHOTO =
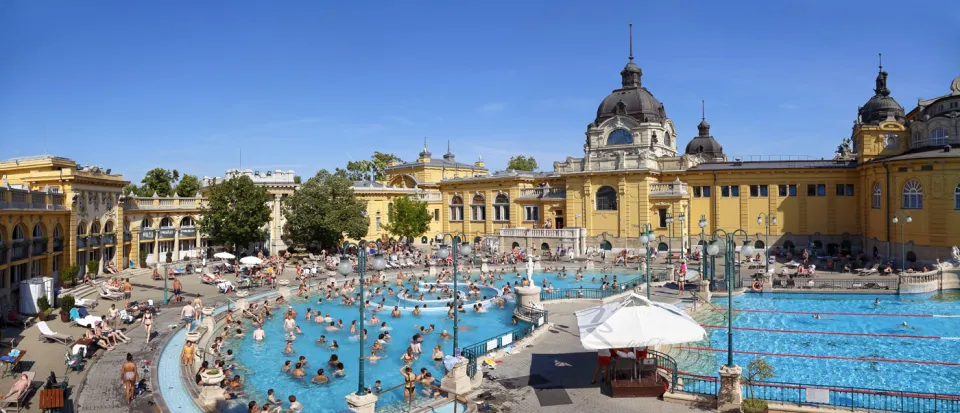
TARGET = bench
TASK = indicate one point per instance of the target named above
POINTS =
(51, 400)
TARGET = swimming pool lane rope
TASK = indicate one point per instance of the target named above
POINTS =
(834, 333)
(847, 314)
(811, 356)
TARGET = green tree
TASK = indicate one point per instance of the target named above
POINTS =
(522, 163)
(757, 372)
(189, 185)
(131, 189)
(373, 169)
(296, 179)
(235, 212)
(159, 180)
(408, 219)
(381, 161)
(325, 210)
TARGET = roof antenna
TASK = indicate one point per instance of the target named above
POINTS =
(703, 111)
(631, 42)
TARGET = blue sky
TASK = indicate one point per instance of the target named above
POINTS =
(311, 85)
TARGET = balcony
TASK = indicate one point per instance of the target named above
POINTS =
(188, 232)
(39, 246)
(675, 189)
(538, 193)
(147, 234)
(19, 251)
(81, 241)
(109, 239)
(127, 237)
(426, 197)
(57, 244)
(167, 233)
(93, 240)
(539, 233)
(11, 198)
(150, 203)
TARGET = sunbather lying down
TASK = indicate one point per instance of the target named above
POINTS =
(18, 388)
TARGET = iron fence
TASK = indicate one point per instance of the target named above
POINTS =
(835, 284)
(473, 352)
(690, 383)
(533, 315)
(591, 293)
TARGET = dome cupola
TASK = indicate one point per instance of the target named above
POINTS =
(704, 144)
(881, 107)
(632, 99)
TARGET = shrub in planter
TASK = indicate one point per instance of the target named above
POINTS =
(757, 372)
(93, 267)
(68, 277)
(66, 304)
(169, 256)
(43, 304)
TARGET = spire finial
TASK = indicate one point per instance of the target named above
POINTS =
(424, 143)
(703, 110)
(631, 42)
(448, 145)
(880, 57)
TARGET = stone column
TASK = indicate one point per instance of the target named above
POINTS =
(730, 395)
(135, 246)
(275, 224)
(362, 404)
(176, 243)
(529, 295)
(456, 380)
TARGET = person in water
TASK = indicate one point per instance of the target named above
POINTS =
(876, 302)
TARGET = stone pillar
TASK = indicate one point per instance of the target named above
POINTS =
(456, 380)
(529, 296)
(176, 243)
(730, 395)
(134, 246)
(362, 404)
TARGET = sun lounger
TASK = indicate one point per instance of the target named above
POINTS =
(85, 302)
(88, 321)
(22, 399)
(109, 295)
(48, 334)
(868, 271)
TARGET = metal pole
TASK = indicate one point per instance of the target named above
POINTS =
(728, 255)
(703, 257)
(455, 249)
(648, 228)
(669, 239)
(903, 248)
(361, 269)
(166, 300)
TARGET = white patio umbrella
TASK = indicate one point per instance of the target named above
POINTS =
(251, 261)
(636, 322)
(224, 255)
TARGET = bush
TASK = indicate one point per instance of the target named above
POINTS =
(43, 303)
(66, 302)
(143, 259)
(754, 406)
(93, 268)
(68, 277)
(169, 256)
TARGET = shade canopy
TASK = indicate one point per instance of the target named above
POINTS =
(251, 261)
(636, 322)
(224, 255)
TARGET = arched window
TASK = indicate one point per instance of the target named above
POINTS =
(619, 137)
(956, 197)
(938, 137)
(38, 231)
(146, 223)
(57, 231)
(663, 247)
(478, 208)
(456, 208)
(166, 223)
(545, 247)
(95, 227)
(876, 195)
(108, 227)
(606, 199)
(758, 245)
(186, 222)
(606, 245)
(917, 140)
(109, 202)
(501, 208)
(912, 195)
(19, 233)
(666, 139)
(82, 229)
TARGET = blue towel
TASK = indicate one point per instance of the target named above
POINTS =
(83, 312)
(74, 313)
(6, 358)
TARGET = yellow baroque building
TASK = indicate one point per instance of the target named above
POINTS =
(632, 174)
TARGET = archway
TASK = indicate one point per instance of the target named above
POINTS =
(911, 256)
(759, 245)
(789, 246)
(833, 249)
(663, 247)
(817, 244)
(476, 240)
(606, 245)
(544, 247)
(846, 247)
(515, 245)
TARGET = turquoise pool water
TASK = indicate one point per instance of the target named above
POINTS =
(855, 343)
(266, 358)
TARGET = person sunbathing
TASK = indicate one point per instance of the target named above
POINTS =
(20, 386)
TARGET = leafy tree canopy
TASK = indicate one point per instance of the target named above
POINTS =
(296, 179)
(189, 185)
(407, 218)
(165, 183)
(372, 169)
(235, 212)
(325, 210)
(522, 163)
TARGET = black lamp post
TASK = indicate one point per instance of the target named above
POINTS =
(346, 268)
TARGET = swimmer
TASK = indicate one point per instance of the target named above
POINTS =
(876, 302)
(322, 340)
(905, 325)
(289, 348)
(819, 317)
(334, 345)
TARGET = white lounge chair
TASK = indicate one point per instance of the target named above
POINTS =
(88, 321)
(85, 302)
(109, 295)
(868, 271)
(22, 399)
(47, 333)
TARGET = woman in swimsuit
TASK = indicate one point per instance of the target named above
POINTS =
(186, 357)
(409, 382)
(148, 323)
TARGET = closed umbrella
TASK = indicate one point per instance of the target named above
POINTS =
(636, 322)
(224, 255)
(251, 261)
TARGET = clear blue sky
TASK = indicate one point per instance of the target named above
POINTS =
(311, 85)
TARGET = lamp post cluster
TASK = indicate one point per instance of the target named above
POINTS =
(766, 219)
(906, 219)
(703, 250)
(458, 246)
(729, 261)
(646, 236)
(345, 268)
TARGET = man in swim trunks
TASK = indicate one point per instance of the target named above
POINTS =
(129, 376)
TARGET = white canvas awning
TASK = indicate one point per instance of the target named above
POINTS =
(636, 322)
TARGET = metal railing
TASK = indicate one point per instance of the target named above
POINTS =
(835, 284)
(690, 383)
(474, 351)
(667, 363)
(721, 285)
(532, 315)
(854, 397)
(592, 293)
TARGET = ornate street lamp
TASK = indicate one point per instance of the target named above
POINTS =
(703, 253)
(903, 249)
(345, 268)
(646, 236)
(766, 219)
(458, 247)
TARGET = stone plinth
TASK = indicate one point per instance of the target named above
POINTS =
(589, 264)
(529, 295)
(362, 404)
(484, 267)
(456, 380)
(433, 271)
(211, 397)
(730, 395)
(706, 295)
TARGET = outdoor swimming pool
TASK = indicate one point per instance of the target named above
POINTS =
(855, 343)
(267, 357)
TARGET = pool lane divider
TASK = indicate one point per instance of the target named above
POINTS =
(834, 333)
(811, 356)
(844, 314)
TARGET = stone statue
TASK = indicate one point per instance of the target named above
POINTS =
(955, 255)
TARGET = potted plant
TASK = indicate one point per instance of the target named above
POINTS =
(66, 304)
(211, 377)
(757, 372)
(43, 304)
(169, 256)
(93, 267)
(68, 277)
